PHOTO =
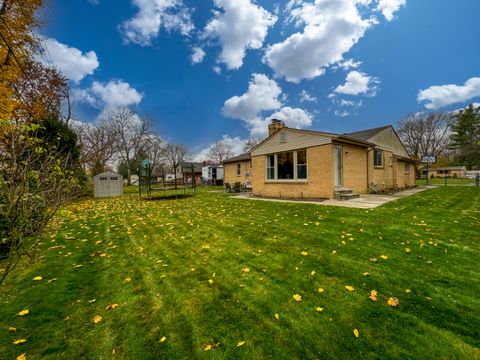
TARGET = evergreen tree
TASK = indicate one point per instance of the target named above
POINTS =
(466, 137)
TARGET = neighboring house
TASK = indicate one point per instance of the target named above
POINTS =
(212, 174)
(445, 172)
(293, 163)
(238, 169)
(107, 184)
(186, 168)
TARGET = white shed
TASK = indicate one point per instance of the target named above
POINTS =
(107, 183)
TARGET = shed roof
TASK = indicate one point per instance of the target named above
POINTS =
(108, 173)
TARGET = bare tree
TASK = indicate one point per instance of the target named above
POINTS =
(251, 143)
(425, 133)
(155, 151)
(174, 155)
(219, 152)
(131, 134)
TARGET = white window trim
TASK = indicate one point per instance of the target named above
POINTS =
(295, 168)
(238, 170)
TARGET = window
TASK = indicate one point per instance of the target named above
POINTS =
(271, 167)
(103, 178)
(302, 164)
(239, 169)
(114, 178)
(291, 165)
(407, 168)
(377, 158)
(285, 166)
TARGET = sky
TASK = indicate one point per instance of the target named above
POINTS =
(207, 70)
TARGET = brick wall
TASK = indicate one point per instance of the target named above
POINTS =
(355, 168)
(382, 177)
(319, 183)
(404, 179)
(230, 172)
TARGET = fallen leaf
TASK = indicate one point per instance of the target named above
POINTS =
(408, 291)
(349, 288)
(97, 319)
(128, 279)
(373, 295)
(297, 298)
(208, 347)
(111, 307)
(304, 253)
(321, 290)
(37, 278)
(312, 273)
(19, 341)
(277, 316)
(384, 257)
(393, 302)
(240, 343)
(211, 281)
(163, 338)
(355, 332)
(11, 328)
(407, 250)
(373, 260)
(319, 309)
(23, 312)
(246, 270)
(22, 357)
(366, 274)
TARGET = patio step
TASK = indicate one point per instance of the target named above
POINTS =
(345, 194)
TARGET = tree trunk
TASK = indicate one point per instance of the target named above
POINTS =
(129, 176)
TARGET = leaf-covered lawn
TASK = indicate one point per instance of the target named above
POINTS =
(213, 277)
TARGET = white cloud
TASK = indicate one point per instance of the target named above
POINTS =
(197, 55)
(242, 25)
(348, 64)
(358, 83)
(108, 95)
(389, 7)
(236, 145)
(443, 95)
(264, 95)
(306, 97)
(217, 70)
(70, 61)
(331, 29)
(152, 15)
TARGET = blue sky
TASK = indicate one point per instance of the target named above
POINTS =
(332, 65)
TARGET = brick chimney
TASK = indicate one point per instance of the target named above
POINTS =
(274, 126)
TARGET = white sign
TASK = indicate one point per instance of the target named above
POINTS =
(429, 159)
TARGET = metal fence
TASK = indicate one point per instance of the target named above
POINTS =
(450, 181)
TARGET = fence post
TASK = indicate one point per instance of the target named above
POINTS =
(445, 180)
(477, 180)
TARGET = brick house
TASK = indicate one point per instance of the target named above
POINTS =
(238, 169)
(293, 163)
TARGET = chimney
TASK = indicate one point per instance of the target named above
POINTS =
(274, 126)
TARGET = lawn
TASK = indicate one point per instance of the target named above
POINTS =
(450, 181)
(211, 277)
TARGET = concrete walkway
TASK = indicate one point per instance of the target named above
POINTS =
(367, 201)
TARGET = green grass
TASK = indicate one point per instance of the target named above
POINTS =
(450, 181)
(170, 249)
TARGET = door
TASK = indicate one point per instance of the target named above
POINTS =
(338, 165)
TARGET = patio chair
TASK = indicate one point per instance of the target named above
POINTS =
(228, 188)
(237, 187)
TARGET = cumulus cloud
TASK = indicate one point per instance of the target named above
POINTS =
(241, 25)
(197, 55)
(264, 95)
(306, 97)
(236, 144)
(357, 83)
(347, 64)
(152, 15)
(108, 95)
(70, 61)
(389, 7)
(443, 95)
(330, 29)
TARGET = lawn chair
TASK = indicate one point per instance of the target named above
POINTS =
(228, 188)
(237, 187)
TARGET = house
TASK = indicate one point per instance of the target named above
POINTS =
(293, 163)
(445, 172)
(187, 167)
(238, 169)
(107, 184)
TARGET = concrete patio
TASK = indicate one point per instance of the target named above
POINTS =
(367, 201)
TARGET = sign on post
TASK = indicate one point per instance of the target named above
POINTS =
(429, 159)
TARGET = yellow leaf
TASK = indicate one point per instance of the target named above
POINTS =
(21, 357)
(103, 255)
(312, 273)
(211, 281)
(366, 274)
(408, 291)
(277, 316)
(393, 302)
(163, 338)
(373, 295)
(240, 343)
(246, 270)
(37, 278)
(407, 250)
(208, 347)
(128, 279)
(23, 312)
(319, 309)
(355, 332)
(98, 242)
(111, 307)
(11, 328)
(384, 257)
(297, 298)
(349, 288)
(304, 253)
(97, 319)
(19, 341)
(321, 290)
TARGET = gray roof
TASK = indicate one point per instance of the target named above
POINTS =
(241, 157)
(366, 134)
